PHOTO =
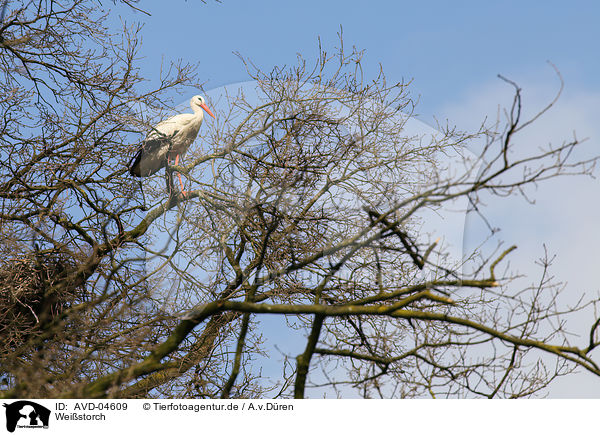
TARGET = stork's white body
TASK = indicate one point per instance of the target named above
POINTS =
(169, 139)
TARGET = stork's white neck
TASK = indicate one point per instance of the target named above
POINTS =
(198, 111)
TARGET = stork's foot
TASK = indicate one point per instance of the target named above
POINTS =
(182, 190)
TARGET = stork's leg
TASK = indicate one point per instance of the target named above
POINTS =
(179, 176)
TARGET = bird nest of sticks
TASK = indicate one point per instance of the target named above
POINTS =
(30, 298)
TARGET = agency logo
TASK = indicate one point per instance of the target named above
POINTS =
(26, 414)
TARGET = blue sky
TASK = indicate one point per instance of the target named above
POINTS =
(453, 52)
(446, 47)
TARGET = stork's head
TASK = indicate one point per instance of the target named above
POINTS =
(198, 101)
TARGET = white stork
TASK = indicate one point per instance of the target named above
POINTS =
(169, 139)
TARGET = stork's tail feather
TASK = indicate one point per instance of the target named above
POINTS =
(150, 158)
(134, 164)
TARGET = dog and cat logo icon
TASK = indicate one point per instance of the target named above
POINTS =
(26, 414)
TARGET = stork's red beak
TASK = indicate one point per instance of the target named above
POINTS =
(205, 107)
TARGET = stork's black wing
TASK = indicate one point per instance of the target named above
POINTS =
(150, 157)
